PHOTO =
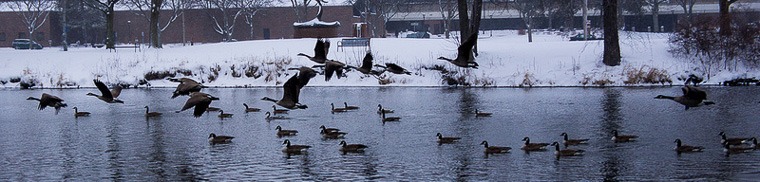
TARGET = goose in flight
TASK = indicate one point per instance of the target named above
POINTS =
(49, 100)
(465, 58)
(108, 96)
(200, 101)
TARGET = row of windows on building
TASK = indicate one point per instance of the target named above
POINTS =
(21, 35)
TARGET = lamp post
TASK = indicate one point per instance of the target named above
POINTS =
(129, 31)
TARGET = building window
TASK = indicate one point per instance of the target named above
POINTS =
(40, 36)
(21, 35)
(2, 36)
(266, 33)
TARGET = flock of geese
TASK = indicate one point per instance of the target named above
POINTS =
(692, 97)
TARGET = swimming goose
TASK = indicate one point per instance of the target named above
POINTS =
(380, 109)
(465, 58)
(328, 129)
(736, 149)
(686, 148)
(731, 141)
(80, 114)
(347, 107)
(223, 115)
(692, 97)
(213, 138)
(151, 114)
(332, 135)
(533, 146)
(754, 143)
(49, 100)
(210, 109)
(622, 138)
(566, 141)
(482, 114)
(200, 101)
(320, 52)
(291, 91)
(351, 147)
(294, 148)
(281, 132)
(566, 152)
(366, 67)
(334, 110)
(251, 109)
(186, 86)
(394, 68)
(279, 111)
(494, 149)
(389, 119)
(108, 96)
(442, 139)
(270, 118)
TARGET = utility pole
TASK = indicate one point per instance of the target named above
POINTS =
(585, 20)
(183, 27)
(65, 28)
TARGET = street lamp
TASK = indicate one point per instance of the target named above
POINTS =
(129, 31)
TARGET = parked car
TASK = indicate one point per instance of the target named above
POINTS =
(25, 44)
(418, 35)
(579, 37)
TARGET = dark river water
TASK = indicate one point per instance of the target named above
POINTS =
(118, 143)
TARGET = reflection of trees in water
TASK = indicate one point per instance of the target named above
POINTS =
(115, 162)
(611, 118)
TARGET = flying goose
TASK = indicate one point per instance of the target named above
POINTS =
(566, 152)
(347, 107)
(108, 96)
(328, 129)
(351, 147)
(223, 115)
(442, 139)
(212, 138)
(186, 86)
(151, 114)
(334, 67)
(294, 148)
(464, 54)
(567, 141)
(389, 119)
(291, 91)
(394, 68)
(279, 111)
(334, 110)
(80, 114)
(686, 148)
(692, 97)
(380, 109)
(482, 114)
(366, 67)
(49, 100)
(622, 138)
(731, 141)
(332, 135)
(494, 149)
(281, 132)
(198, 100)
(320, 52)
(250, 109)
(736, 149)
(270, 118)
(304, 75)
(533, 146)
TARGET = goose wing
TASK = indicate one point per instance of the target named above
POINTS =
(291, 90)
(103, 89)
(694, 93)
(466, 48)
(304, 75)
(187, 85)
(319, 50)
(198, 100)
(47, 100)
(116, 91)
(367, 62)
(327, 47)
(333, 67)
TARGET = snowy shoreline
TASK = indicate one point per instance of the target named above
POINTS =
(507, 60)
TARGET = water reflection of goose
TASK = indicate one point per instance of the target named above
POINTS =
(686, 148)
(106, 95)
(692, 97)
(567, 141)
(622, 138)
(494, 149)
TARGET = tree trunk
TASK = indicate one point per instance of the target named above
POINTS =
(725, 17)
(477, 11)
(530, 29)
(611, 45)
(464, 22)
(110, 38)
(65, 27)
(655, 15)
(155, 9)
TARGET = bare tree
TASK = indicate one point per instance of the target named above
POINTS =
(448, 12)
(725, 17)
(33, 14)
(611, 39)
(106, 7)
(224, 14)
(377, 10)
(151, 9)
(250, 9)
(655, 4)
(528, 9)
(300, 7)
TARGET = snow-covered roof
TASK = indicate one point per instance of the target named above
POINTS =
(317, 23)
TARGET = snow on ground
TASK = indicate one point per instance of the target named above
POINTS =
(506, 59)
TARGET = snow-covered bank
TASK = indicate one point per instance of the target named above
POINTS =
(506, 59)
